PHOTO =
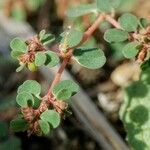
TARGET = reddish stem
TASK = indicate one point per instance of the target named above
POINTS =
(112, 21)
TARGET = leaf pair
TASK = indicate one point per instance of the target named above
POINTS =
(49, 59)
(28, 94)
(49, 118)
(65, 89)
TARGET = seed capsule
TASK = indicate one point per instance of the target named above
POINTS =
(32, 67)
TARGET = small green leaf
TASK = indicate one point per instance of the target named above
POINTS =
(15, 54)
(18, 44)
(81, 10)
(20, 68)
(30, 86)
(143, 22)
(131, 50)
(46, 38)
(24, 98)
(92, 58)
(107, 5)
(51, 59)
(145, 65)
(40, 59)
(129, 22)
(18, 125)
(115, 35)
(72, 37)
(68, 87)
(52, 117)
(44, 126)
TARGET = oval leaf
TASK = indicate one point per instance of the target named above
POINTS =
(92, 58)
(18, 44)
(115, 35)
(129, 22)
(40, 59)
(24, 98)
(18, 125)
(131, 50)
(51, 59)
(30, 86)
(44, 126)
(52, 117)
(68, 87)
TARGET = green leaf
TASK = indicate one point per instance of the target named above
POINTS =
(135, 113)
(131, 49)
(18, 44)
(72, 37)
(20, 68)
(107, 5)
(81, 10)
(115, 35)
(30, 86)
(52, 117)
(18, 125)
(44, 126)
(129, 22)
(18, 13)
(51, 59)
(3, 129)
(15, 54)
(40, 59)
(68, 87)
(143, 22)
(46, 38)
(92, 58)
(145, 65)
(24, 98)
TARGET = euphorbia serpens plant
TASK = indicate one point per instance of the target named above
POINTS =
(39, 115)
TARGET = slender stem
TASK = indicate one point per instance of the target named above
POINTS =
(112, 21)
(91, 29)
(59, 73)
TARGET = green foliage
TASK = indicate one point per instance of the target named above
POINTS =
(30, 86)
(44, 126)
(31, 66)
(92, 58)
(72, 37)
(143, 22)
(51, 59)
(107, 5)
(81, 10)
(46, 38)
(40, 59)
(135, 112)
(52, 117)
(131, 49)
(24, 99)
(18, 125)
(18, 44)
(129, 22)
(65, 89)
(115, 35)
